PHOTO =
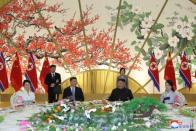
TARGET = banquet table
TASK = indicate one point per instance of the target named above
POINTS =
(12, 117)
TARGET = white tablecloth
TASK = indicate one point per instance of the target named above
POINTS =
(12, 117)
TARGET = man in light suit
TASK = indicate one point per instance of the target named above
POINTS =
(53, 80)
(73, 92)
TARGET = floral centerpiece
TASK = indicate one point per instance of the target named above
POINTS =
(102, 116)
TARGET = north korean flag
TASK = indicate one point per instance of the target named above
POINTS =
(184, 71)
(31, 73)
(154, 72)
(3, 74)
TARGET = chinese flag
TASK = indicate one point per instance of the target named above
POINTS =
(45, 70)
(185, 72)
(3, 77)
(154, 72)
(170, 72)
(16, 74)
(31, 73)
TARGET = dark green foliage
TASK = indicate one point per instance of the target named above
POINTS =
(142, 105)
(123, 114)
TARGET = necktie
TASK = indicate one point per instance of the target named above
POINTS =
(73, 92)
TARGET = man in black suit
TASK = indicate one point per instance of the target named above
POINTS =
(121, 93)
(53, 80)
(73, 92)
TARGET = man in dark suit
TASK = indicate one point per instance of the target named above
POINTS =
(53, 80)
(73, 92)
(121, 93)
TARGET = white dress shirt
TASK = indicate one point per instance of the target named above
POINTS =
(53, 74)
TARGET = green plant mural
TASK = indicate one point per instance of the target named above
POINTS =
(181, 38)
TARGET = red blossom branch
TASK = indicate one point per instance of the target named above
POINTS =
(20, 15)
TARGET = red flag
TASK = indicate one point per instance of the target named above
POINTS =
(170, 72)
(154, 72)
(185, 72)
(45, 70)
(3, 77)
(31, 73)
(16, 74)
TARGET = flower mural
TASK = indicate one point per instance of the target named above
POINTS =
(182, 36)
(64, 45)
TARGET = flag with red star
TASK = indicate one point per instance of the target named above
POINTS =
(154, 72)
(184, 71)
(31, 73)
(3, 77)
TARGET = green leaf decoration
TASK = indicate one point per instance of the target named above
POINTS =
(137, 48)
(164, 46)
(133, 42)
(113, 18)
(147, 63)
(108, 7)
(179, 79)
(52, 128)
(149, 41)
(187, 112)
(185, 18)
(157, 26)
(1, 119)
(193, 61)
(146, 57)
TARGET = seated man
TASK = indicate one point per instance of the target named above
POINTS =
(73, 92)
(121, 93)
(23, 97)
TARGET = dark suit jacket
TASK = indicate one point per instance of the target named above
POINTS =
(121, 95)
(78, 93)
(56, 80)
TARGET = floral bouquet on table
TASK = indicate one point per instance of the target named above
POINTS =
(102, 115)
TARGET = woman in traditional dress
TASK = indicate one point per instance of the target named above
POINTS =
(24, 96)
(170, 96)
